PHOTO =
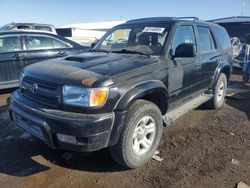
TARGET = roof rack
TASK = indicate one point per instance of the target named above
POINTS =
(188, 18)
(151, 19)
(164, 19)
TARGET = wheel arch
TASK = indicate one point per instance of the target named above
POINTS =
(153, 91)
(223, 68)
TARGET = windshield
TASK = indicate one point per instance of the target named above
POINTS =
(141, 39)
(4, 27)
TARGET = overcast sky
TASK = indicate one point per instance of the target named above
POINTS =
(62, 12)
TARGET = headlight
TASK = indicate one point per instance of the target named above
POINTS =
(84, 97)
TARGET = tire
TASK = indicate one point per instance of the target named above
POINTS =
(132, 150)
(219, 93)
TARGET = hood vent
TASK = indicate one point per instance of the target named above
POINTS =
(75, 58)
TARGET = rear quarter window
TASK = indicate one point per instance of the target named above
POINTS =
(43, 28)
(222, 37)
(206, 42)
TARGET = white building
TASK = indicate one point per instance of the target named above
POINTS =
(86, 33)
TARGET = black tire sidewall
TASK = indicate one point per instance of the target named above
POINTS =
(147, 110)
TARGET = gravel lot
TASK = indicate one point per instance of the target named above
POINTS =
(204, 148)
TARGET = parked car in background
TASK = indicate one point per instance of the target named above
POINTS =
(21, 48)
(29, 26)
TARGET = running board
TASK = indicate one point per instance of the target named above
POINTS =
(174, 114)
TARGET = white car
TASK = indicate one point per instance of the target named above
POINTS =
(29, 26)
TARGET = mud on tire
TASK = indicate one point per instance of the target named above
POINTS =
(219, 93)
(140, 136)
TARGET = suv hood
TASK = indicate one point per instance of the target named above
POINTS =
(95, 65)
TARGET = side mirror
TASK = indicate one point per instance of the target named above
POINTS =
(185, 50)
(92, 45)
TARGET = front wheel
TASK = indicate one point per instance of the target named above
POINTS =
(219, 92)
(140, 136)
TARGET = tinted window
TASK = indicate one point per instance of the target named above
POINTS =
(25, 27)
(43, 28)
(42, 42)
(10, 44)
(223, 37)
(205, 39)
(184, 34)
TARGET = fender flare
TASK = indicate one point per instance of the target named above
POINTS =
(224, 67)
(139, 91)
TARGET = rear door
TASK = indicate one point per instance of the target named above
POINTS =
(11, 59)
(209, 56)
(43, 47)
(183, 72)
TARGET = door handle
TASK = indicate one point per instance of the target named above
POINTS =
(61, 53)
(17, 56)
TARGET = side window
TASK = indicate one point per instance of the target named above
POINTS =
(222, 36)
(42, 42)
(205, 39)
(59, 44)
(10, 44)
(184, 34)
(25, 27)
(42, 28)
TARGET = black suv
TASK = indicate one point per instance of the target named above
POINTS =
(140, 76)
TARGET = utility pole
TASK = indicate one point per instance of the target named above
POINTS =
(242, 7)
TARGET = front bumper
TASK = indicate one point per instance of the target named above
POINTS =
(91, 132)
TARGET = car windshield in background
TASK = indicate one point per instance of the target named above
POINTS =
(141, 39)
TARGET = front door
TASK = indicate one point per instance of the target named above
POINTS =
(182, 80)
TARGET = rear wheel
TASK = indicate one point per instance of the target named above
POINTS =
(140, 136)
(219, 92)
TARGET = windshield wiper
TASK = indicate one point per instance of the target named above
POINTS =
(130, 52)
(100, 50)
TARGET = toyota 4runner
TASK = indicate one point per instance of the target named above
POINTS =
(140, 76)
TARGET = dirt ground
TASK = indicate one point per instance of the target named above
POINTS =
(204, 148)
